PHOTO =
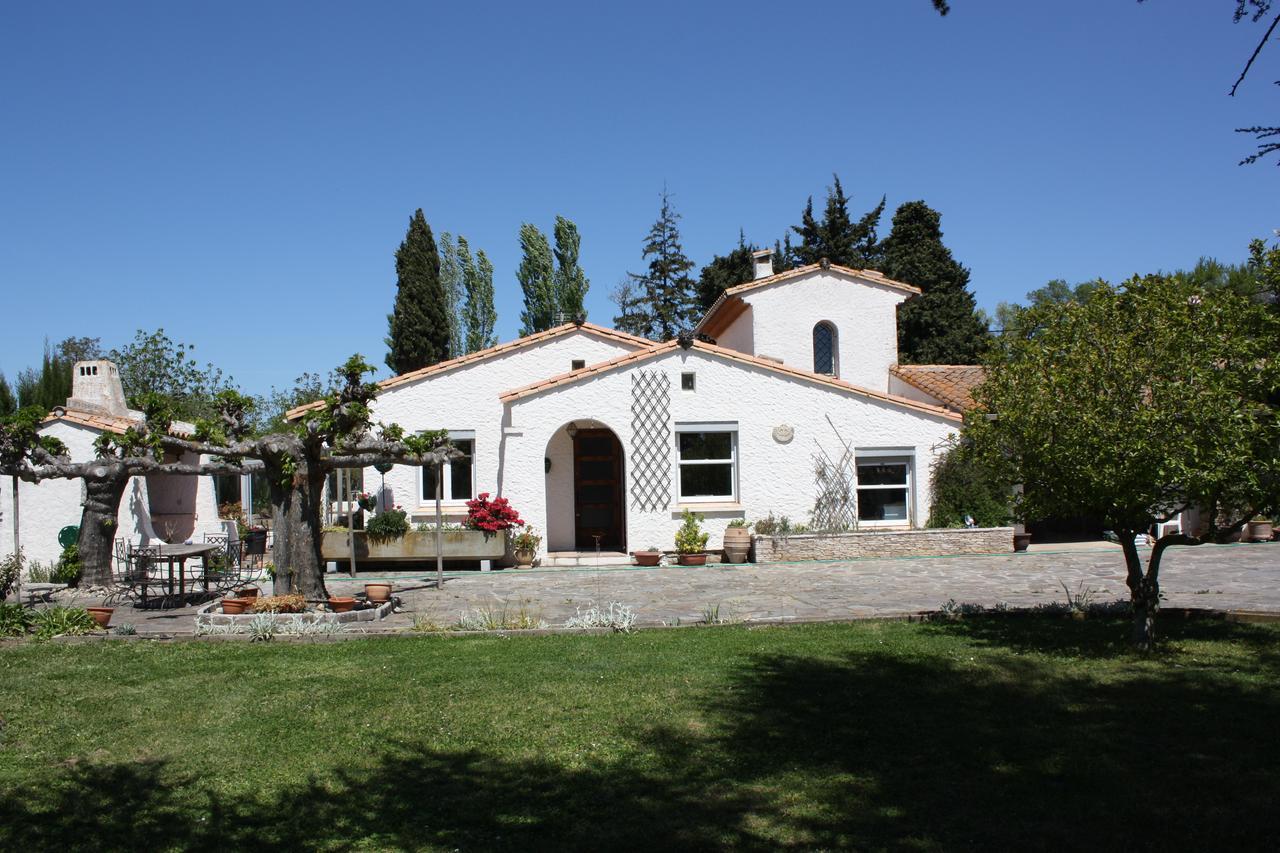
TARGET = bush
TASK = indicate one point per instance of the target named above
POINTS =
(963, 485)
(292, 603)
(389, 526)
(14, 620)
(68, 568)
(690, 538)
(10, 570)
(526, 540)
(774, 526)
(62, 622)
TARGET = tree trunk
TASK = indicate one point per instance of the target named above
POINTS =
(1144, 587)
(99, 522)
(296, 504)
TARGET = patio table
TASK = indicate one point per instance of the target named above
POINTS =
(180, 554)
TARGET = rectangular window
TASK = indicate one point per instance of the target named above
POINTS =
(578, 364)
(459, 474)
(884, 490)
(687, 381)
(707, 458)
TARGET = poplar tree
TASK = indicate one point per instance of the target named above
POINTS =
(455, 294)
(942, 326)
(666, 288)
(570, 281)
(419, 323)
(479, 314)
(537, 281)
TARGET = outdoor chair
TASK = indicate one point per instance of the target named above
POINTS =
(142, 571)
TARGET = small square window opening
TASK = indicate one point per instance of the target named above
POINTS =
(577, 364)
(687, 381)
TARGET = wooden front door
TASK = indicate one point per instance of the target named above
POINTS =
(597, 490)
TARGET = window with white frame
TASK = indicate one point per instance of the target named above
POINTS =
(707, 459)
(459, 474)
(884, 489)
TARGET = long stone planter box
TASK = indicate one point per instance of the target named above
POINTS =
(211, 615)
(416, 545)
(882, 543)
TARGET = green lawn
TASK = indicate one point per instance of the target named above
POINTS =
(1010, 733)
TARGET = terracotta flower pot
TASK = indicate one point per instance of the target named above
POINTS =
(249, 592)
(342, 603)
(1260, 531)
(1021, 541)
(236, 605)
(378, 592)
(524, 559)
(647, 558)
(101, 615)
(737, 544)
(693, 559)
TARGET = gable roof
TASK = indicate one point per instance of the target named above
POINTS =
(481, 355)
(953, 384)
(731, 355)
(729, 304)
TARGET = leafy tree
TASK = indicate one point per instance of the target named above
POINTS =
(75, 349)
(536, 275)
(480, 315)
(455, 294)
(837, 238)
(632, 317)
(723, 272)
(963, 484)
(667, 289)
(570, 281)
(8, 402)
(1009, 314)
(154, 364)
(270, 410)
(1145, 400)
(419, 323)
(942, 326)
(1264, 263)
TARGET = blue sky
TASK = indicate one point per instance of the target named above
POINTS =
(241, 174)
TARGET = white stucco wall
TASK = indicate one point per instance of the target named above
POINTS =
(467, 399)
(911, 392)
(771, 476)
(780, 321)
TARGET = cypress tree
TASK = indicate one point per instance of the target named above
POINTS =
(570, 281)
(942, 326)
(480, 314)
(455, 294)
(537, 281)
(723, 272)
(8, 403)
(419, 324)
(837, 238)
(667, 288)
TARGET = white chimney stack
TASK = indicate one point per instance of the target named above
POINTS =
(96, 387)
(763, 263)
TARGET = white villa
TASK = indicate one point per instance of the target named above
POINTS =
(600, 438)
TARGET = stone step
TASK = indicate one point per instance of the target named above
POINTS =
(588, 559)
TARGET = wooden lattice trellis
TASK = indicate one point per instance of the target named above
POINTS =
(836, 479)
(650, 440)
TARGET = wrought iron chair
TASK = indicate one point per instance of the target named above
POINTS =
(137, 572)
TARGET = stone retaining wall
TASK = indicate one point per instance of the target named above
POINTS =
(882, 543)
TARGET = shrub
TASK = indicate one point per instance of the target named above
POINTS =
(738, 522)
(389, 526)
(291, 603)
(690, 538)
(774, 526)
(62, 622)
(491, 516)
(14, 620)
(616, 616)
(963, 485)
(526, 540)
(68, 568)
(38, 572)
(10, 570)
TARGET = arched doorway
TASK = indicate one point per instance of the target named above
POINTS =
(598, 501)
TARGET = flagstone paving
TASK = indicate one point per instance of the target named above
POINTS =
(1227, 577)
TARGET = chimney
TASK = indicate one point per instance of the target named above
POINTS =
(763, 263)
(96, 388)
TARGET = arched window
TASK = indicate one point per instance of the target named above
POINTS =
(824, 349)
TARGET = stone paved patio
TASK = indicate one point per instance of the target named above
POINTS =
(1235, 577)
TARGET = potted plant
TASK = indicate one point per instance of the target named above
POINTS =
(737, 541)
(101, 615)
(255, 542)
(650, 556)
(342, 603)
(1260, 530)
(377, 592)
(389, 526)
(691, 540)
(525, 544)
(236, 605)
(367, 502)
(249, 592)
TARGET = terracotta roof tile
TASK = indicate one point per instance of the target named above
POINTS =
(733, 355)
(109, 423)
(481, 355)
(953, 384)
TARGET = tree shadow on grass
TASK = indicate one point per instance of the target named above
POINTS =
(868, 749)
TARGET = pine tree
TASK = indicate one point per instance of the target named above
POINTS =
(8, 403)
(419, 324)
(837, 238)
(455, 294)
(537, 281)
(480, 314)
(570, 281)
(723, 272)
(667, 288)
(942, 326)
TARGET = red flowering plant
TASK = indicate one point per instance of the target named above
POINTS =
(491, 516)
